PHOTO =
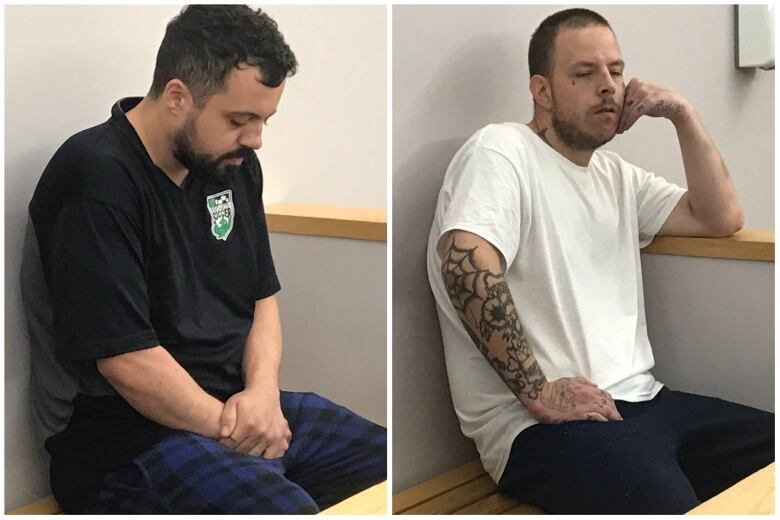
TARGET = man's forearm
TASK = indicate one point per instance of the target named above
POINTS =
(484, 304)
(156, 385)
(711, 192)
(263, 349)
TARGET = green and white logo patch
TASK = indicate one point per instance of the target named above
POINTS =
(222, 213)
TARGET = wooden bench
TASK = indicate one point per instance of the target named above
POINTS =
(469, 490)
(372, 501)
(466, 490)
(753, 495)
(44, 506)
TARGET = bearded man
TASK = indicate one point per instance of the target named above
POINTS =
(150, 290)
(534, 259)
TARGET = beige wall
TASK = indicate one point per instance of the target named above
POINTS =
(65, 67)
(334, 309)
(458, 68)
(711, 324)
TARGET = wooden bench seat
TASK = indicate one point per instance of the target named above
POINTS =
(469, 490)
(44, 506)
(372, 501)
(465, 490)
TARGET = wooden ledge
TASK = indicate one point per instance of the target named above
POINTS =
(748, 244)
(327, 221)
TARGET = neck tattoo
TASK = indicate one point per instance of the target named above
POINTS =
(541, 133)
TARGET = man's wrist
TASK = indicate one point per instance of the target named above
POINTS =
(263, 388)
(684, 115)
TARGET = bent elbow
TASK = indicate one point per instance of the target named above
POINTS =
(729, 225)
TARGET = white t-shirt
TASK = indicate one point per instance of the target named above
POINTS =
(570, 237)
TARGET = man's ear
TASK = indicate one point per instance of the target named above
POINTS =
(541, 91)
(177, 97)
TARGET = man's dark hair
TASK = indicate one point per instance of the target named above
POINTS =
(540, 50)
(203, 43)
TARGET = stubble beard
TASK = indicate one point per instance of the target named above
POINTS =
(201, 165)
(572, 134)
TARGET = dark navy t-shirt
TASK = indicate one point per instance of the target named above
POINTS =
(131, 261)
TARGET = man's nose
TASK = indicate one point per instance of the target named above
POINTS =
(252, 136)
(608, 86)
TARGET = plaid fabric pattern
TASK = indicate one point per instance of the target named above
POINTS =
(334, 454)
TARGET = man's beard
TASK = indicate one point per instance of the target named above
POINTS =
(201, 165)
(573, 136)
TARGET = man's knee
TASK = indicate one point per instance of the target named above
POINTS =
(606, 477)
(615, 490)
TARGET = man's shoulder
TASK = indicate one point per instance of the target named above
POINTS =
(500, 136)
(91, 164)
(504, 142)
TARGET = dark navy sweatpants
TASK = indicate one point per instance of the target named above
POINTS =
(666, 456)
(333, 454)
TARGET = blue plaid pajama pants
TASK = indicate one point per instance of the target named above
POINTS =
(334, 454)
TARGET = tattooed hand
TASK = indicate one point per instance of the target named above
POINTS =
(643, 98)
(573, 399)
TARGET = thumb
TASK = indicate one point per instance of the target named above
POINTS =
(228, 419)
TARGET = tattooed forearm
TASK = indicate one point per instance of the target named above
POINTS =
(667, 108)
(484, 305)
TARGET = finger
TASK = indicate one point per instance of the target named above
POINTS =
(627, 102)
(611, 412)
(593, 416)
(258, 449)
(228, 443)
(276, 450)
(632, 101)
(228, 419)
(252, 444)
(636, 111)
(637, 105)
(587, 381)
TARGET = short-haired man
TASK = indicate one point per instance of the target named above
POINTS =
(151, 240)
(534, 225)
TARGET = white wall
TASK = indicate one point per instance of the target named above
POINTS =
(64, 68)
(711, 324)
(334, 319)
(458, 68)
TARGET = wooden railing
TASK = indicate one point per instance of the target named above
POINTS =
(748, 244)
(327, 221)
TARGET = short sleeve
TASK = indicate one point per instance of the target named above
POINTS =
(99, 293)
(484, 199)
(655, 199)
(267, 281)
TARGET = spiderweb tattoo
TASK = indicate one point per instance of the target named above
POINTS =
(485, 307)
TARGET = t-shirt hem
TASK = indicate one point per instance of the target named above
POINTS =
(268, 290)
(498, 472)
(483, 234)
(114, 347)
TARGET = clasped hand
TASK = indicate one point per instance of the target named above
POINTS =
(252, 422)
(573, 399)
